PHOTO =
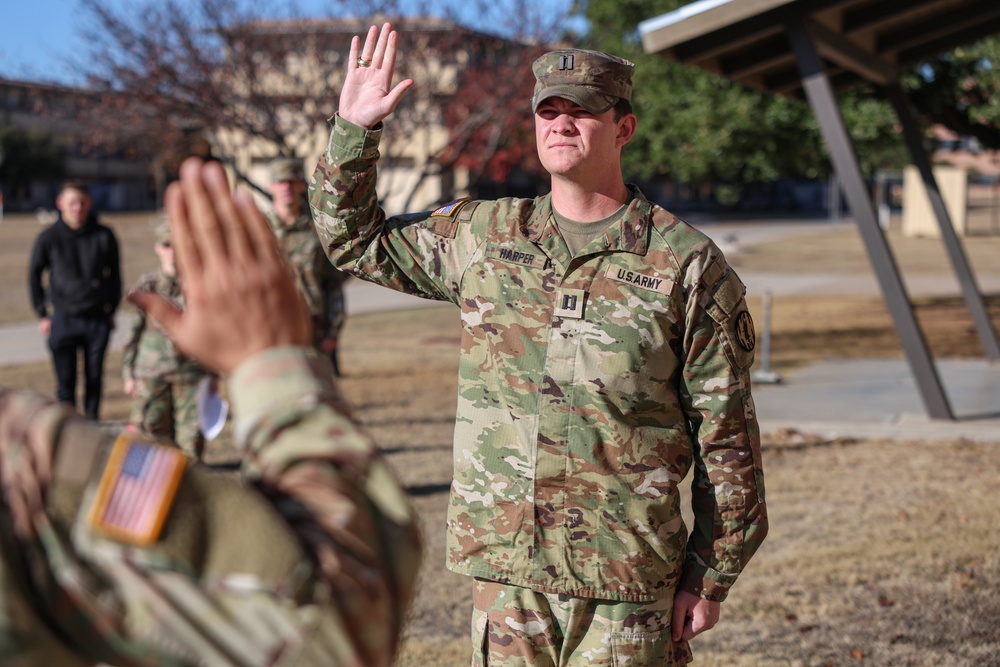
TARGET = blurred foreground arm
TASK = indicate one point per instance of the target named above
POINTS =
(311, 563)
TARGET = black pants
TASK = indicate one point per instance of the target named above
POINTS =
(69, 335)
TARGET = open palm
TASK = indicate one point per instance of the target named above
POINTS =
(368, 96)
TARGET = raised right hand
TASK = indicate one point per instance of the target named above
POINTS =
(366, 97)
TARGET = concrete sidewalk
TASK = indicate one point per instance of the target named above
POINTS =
(23, 344)
(862, 398)
(878, 398)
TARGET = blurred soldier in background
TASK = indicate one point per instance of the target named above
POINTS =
(120, 550)
(162, 382)
(320, 282)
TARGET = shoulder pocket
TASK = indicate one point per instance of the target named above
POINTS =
(733, 322)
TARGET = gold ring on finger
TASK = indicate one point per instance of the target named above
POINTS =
(364, 63)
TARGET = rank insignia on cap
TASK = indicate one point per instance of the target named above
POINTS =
(745, 334)
(136, 490)
(450, 209)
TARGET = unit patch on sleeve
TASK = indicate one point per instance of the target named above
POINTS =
(746, 337)
(136, 490)
(650, 281)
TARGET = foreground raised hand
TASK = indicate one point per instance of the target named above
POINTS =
(240, 297)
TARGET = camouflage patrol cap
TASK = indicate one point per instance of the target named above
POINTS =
(161, 230)
(592, 79)
(287, 169)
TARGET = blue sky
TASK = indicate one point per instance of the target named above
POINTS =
(40, 41)
(37, 39)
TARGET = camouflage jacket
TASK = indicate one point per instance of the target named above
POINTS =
(588, 387)
(148, 352)
(309, 559)
(319, 281)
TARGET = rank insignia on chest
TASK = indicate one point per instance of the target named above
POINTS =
(136, 490)
(569, 303)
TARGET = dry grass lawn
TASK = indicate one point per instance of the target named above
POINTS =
(881, 553)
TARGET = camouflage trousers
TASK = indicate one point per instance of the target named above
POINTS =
(165, 407)
(514, 626)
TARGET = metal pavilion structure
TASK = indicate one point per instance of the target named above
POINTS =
(811, 49)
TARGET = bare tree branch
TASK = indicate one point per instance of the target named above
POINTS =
(245, 81)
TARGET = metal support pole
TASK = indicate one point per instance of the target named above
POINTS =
(882, 200)
(834, 197)
(966, 279)
(820, 94)
(765, 375)
(995, 208)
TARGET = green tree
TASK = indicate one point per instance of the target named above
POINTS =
(28, 155)
(961, 90)
(698, 128)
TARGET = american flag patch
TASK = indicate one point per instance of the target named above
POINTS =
(450, 208)
(136, 490)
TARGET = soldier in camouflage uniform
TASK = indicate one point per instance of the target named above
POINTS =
(162, 382)
(308, 559)
(320, 282)
(606, 350)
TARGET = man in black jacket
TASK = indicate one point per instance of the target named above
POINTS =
(84, 288)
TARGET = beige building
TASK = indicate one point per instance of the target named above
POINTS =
(298, 65)
(51, 113)
(273, 96)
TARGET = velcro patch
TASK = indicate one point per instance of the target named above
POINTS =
(642, 280)
(450, 209)
(711, 274)
(136, 490)
(729, 293)
(533, 258)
